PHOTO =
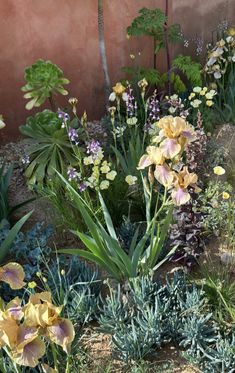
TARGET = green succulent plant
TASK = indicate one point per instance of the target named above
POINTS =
(44, 79)
(49, 149)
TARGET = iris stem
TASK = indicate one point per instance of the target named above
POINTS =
(54, 357)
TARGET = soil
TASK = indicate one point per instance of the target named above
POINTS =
(166, 360)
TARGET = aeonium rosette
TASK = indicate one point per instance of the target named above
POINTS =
(166, 156)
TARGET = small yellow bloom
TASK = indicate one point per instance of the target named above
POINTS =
(44, 279)
(197, 89)
(143, 84)
(88, 160)
(105, 167)
(225, 195)
(218, 170)
(192, 95)
(32, 285)
(128, 36)
(131, 180)
(104, 184)
(38, 274)
(62, 272)
(119, 89)
(111, 175)
(231, 31)
(209, 103)
(132, 121)
(132, 56)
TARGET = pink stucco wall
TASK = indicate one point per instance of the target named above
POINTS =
(65, 31)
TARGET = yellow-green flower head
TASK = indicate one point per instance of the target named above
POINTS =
(192, 95)
(104, 184)
(143, 84)
(32, 285)
(209, 103)
(131, 180)
(105, 167)
(132, 121)
(218, 170)
(210, 94)
(62, 272)
(197, 89)
(88, 160)
(111, 175)
(225, 195)
(196, 103)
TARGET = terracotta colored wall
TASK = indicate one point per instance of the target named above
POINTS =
(64, 31)
(200, 18)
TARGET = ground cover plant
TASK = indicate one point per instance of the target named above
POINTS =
(147, 212)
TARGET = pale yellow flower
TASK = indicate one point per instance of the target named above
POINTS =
(130, 180)
(192, 95)
(88, 160)
(209, 103)
(32, 285)
(225, 195)
(197, 89)
(132, 121)
(196, 103)
(111, 175)
(105, 168)
(104, 184)
(132, 56)
(218, 170)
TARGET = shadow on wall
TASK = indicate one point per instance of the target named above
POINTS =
(199, 20)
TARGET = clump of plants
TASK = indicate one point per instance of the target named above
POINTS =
(219, 71)
(155, 23)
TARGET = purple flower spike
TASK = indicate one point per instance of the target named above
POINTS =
(73, 136)
(72, 173)
(82, 187)
(25, 160)
(93, 147)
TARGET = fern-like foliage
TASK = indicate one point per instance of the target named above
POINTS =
(190, 68)
(153, 22)
(137, 73)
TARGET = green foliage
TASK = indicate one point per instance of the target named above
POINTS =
(219, 287)
(197, 333)
(215, 210)
(138, 73)
(140, 316)
(50, 147)
(76, 285)
(152, 22)
(175, 80)
(7, 242)
(5, 178)
(103, 246)
(190, 68)
(44, 79)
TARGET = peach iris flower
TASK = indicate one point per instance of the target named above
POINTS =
(183, 180)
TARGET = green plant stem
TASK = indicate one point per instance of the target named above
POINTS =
(54, 356)
(52, 102)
